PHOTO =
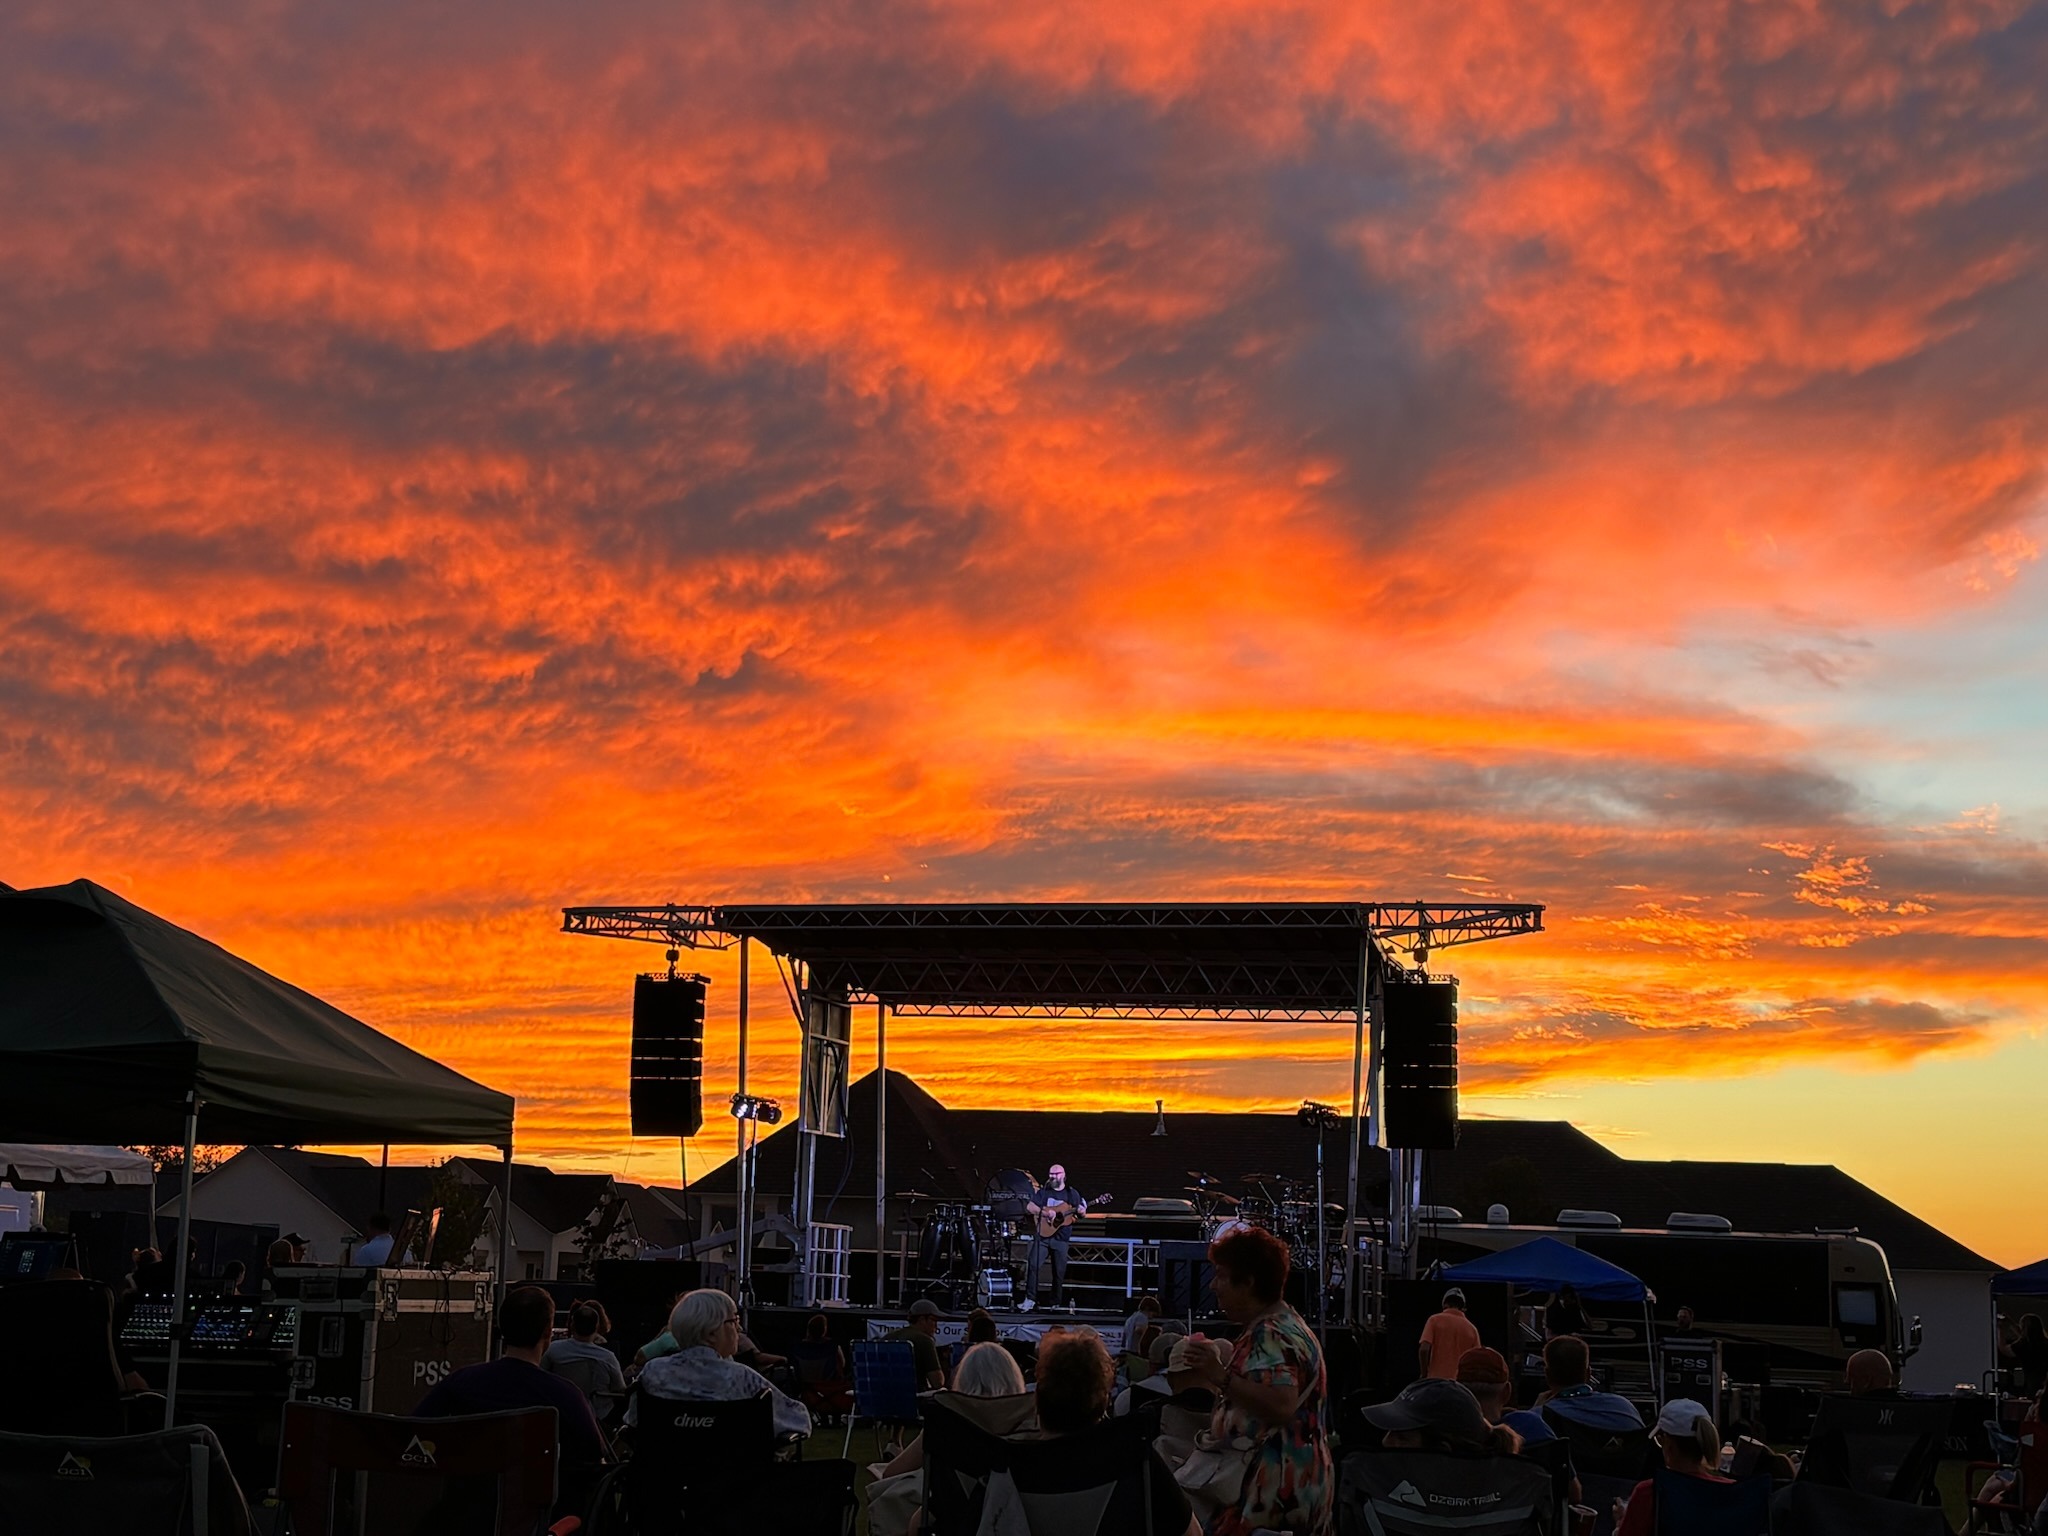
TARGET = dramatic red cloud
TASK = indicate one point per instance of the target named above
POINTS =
(467, 462)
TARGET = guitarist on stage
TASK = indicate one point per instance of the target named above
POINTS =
(1054, 1208)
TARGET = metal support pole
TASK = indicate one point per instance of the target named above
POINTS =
(806, 1143)
(1322, 1240)
(383, 1184)
(1375, 1083)
(743, 1162)
(1357, 1108)
(881, 1140)
(183, 1267)
(505, 1253)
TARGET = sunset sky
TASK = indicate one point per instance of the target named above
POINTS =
(461, 461)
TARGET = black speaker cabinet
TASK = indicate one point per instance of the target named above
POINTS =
(1419, 1083)
(667, 1075)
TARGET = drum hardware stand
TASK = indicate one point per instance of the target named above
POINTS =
(1323, 1118)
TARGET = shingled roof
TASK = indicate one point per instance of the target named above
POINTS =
(1537, 1167)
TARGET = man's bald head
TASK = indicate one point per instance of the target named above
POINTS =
(1868, 1372)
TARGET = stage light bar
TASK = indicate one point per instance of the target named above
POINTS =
(748, 1106)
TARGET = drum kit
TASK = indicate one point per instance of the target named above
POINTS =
(961, 1242)
(1274, 1202)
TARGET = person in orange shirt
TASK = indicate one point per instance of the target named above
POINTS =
(1446, 1337)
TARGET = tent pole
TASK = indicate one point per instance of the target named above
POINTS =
(743, 1184)
(881, 1138)
(179, 1285)
(504, 1240)
(1357, 1108)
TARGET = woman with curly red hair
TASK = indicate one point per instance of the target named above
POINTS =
(1270, 1391)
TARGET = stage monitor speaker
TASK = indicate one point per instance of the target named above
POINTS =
(1419, 1082)
(1186, 1280)
(667, 1074)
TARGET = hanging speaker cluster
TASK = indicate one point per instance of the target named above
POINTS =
(1419, 1081)
(666, 1078)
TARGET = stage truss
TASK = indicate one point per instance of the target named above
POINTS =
(1245, 962)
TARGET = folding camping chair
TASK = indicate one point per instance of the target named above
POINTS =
(174, 1482)
(1693, 1506)
(484, 1474)
(963, 1447)
(884, 1385)
(1884, 1446)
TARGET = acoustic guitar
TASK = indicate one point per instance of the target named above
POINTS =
(1056, 1219)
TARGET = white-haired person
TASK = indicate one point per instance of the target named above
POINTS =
(706, 1327)
(1691, 1446)
(895, 1508)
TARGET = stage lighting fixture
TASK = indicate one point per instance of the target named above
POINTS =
(1317, 1114)
(748, 1106)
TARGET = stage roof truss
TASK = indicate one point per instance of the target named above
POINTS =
(1245, 961)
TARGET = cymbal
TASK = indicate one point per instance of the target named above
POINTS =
(1204, 1180)
(914, 1194)
(1214, 1194)
(1269, 1178)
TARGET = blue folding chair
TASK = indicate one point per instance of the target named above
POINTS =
(884, 1385)
(1692, 1506)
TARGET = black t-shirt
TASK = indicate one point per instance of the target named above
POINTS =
(2032, 1356)
(1045, 1197)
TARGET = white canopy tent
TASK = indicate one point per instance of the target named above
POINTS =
(27, 1166)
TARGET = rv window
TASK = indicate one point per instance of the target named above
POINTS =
(1727, 1281)
(1856, 1306)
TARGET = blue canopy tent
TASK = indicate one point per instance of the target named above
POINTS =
(1545, 1264)
(2028, 1280)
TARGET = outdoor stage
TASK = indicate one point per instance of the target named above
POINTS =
(1251, 964)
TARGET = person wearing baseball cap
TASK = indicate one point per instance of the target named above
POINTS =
(1445, 1338)
(1437, 1415)
(1691, 1446)
(1484, 1373)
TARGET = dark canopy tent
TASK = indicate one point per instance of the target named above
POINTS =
(109, 1016)
(1545, 1264)
(118, 1026)
(2027, 1280)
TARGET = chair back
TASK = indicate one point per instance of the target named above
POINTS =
(1617, 1453)
(485, 1474)
(885, 1380)
(59, 1374)
(1428, 1493)
(1555, 1457)
(1883, 1446)
(963, 1446)
(2033, 1466)
(171, 1483)
(1815, 1509)
(817, 1361)
(591, 1379)
(1098, 1483)
(691, 1441)
(1693, 1506)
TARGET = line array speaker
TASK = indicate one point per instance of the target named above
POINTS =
(1419, 1088)
(666, 1079)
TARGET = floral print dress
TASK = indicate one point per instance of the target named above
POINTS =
(1290, 1485)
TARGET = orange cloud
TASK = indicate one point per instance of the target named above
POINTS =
(459, 465)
